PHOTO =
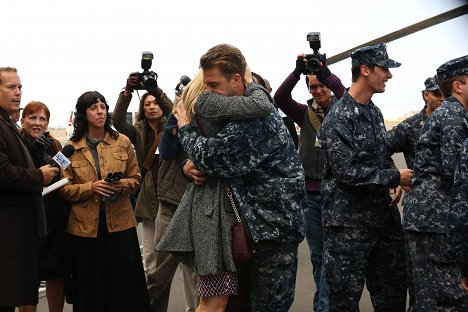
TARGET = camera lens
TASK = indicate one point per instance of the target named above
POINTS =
(149, 81)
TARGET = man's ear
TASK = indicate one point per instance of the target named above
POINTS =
(365, 70)
(237, 79)
(457, 87)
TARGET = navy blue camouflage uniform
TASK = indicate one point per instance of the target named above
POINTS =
(435, 273)
(364, 241)
(268, 183)
(458, 215)
(404, 136)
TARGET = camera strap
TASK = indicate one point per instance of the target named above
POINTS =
(314, 118)
(152, 152)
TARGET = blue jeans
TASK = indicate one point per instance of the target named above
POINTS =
(314, 235)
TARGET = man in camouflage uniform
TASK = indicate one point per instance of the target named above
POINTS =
(458, 217)
(363, 238)
(309, 117)
(267, 179)
(403, 138)
(435, 273)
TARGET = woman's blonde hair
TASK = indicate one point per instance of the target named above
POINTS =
(191, 92)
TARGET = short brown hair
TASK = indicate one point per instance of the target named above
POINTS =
(356, 71)
(34, 107)
(445, 86)
(227, 58)
(6, 69)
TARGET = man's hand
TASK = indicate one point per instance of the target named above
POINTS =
(181, 116)
(300, 66)
(405, 177)
(323, 73)
(133, 83)
(48, 173)
(464, 282)
(192, 172)
(395, 194)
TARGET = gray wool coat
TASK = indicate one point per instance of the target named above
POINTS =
(200, 233)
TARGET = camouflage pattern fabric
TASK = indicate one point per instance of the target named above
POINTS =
(458, 216)
(436, 276)
(453, 68)
(404, 136)
(431, 83)
(264, 170)
(375, 256)
(273, 274)
(373, 55)
(442, 137)
(357, 172)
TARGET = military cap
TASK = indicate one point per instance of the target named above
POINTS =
(453, 68)
(373, 55)
(431, 84)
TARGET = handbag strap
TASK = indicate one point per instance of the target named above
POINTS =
(227, 189)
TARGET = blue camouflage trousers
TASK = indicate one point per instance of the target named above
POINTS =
(375, 256)
(436, 276)
(273, 276)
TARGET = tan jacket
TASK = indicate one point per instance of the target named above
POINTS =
(114, 155)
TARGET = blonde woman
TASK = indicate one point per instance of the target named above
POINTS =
(200, 231)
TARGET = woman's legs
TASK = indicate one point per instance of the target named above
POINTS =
(212, 304)
(55, 294)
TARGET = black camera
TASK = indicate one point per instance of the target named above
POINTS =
(114, 176)
(314, 60)
(148, 78)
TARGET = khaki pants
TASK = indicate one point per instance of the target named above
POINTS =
(159, 276)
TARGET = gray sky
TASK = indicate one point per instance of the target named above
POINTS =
(63, 48)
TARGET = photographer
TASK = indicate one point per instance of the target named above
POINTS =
(155, 205)
(309, 117)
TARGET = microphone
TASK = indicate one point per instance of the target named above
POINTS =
(61, 158)
(184, 80)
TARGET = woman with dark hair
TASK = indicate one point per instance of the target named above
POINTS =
(52, 248)
(106, 267)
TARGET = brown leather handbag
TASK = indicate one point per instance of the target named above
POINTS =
(242, 246)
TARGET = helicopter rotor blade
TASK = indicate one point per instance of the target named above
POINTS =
(443, 17)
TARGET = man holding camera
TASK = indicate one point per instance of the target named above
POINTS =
(309, 117)
(363, 237)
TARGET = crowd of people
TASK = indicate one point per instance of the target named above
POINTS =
(223, 153)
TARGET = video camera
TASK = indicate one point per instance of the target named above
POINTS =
(148, 78)
(314, 60)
